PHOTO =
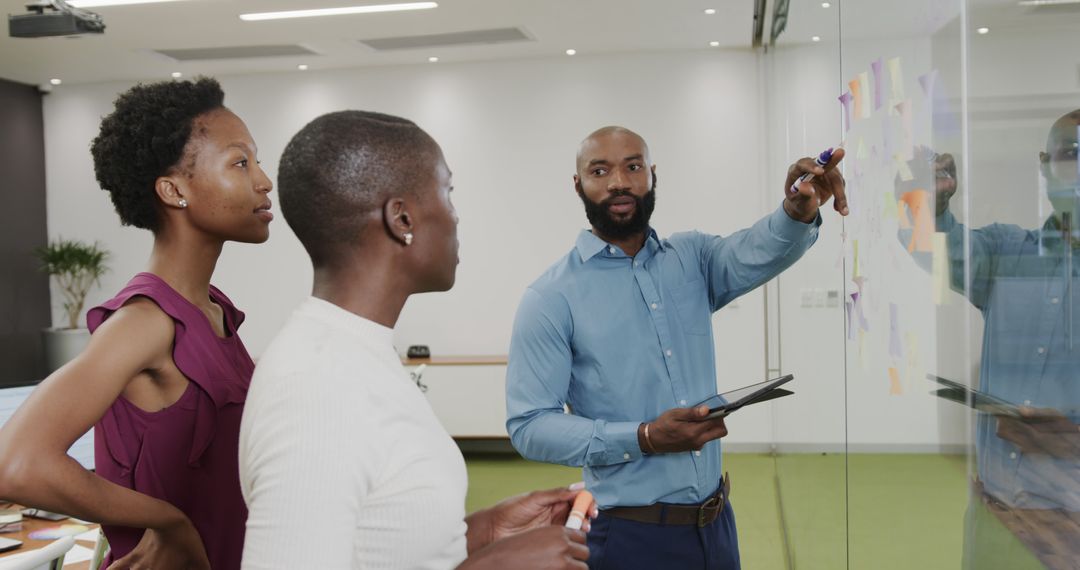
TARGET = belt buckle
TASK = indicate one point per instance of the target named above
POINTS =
(712, 502)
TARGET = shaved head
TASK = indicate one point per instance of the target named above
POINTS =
(590, 142)
(1063, 131)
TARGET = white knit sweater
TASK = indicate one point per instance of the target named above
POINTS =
(342, 462)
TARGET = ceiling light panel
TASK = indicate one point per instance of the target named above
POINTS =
(343, 11)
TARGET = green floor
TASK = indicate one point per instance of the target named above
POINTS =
(901, 510)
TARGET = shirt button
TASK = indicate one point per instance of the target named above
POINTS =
(626, 456)
(1041, 350)
(611, 250)
(668, 352)
(682, 402)
(635, 264)
(1012, 455)
(654, 305)
(1055, 301)
(697, 453)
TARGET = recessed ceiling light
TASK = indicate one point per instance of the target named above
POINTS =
(825, 5)
(344, 10)
(55, 81)
(571, 51)
(1046, 2)
(714, 44)
(177, 75)
(302, 67)
(102, 3)
(433, 59)
(815, 39)
(983, 31)
(710, 11)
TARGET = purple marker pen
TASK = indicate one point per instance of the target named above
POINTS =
(821, 161)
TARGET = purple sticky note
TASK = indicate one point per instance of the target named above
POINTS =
(896, 348)
(878, 95)
(845, 100)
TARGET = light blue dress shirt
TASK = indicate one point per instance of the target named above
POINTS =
(1018, 281)
(620, 340)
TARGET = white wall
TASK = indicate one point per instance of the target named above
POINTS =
(510, 132)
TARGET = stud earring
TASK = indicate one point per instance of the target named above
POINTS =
(408, 238)
(182, 203)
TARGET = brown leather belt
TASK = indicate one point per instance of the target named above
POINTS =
(672, 514)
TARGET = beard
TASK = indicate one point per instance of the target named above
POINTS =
(612, 228)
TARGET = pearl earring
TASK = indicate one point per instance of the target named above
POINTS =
(408, 238)
(182, 203)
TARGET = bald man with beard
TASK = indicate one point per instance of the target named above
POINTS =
(620, 330)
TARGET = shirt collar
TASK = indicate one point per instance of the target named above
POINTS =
(588, 244)
(1051, 234)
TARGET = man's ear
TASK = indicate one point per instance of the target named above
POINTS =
(1044, 164)
(577, 183)
(168, 192)
(398, 222)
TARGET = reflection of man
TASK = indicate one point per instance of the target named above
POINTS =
(1025, 284)
(620, 330)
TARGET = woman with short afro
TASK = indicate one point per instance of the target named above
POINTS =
(165, 376)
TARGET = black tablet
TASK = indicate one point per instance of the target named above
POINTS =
(724, 404)
(961, 394)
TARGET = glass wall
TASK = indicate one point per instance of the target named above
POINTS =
(957, 399)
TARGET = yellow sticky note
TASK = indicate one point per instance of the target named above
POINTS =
(939, 268)
(864, 93)
(902, 169)
(914, 368)
(855, 264)
(888, 208)
(895, 388)
(896, 78)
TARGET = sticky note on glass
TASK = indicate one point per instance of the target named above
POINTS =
(855, 263)
(902, 169)
(921, 219)
(888, 208)
(896, 348)
(879, 93)
(939, 268)
(896, 79)
(907, 139)
(895, 388)
(845, 101)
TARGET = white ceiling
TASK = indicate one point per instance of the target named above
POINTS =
(125, 51)
(894, 19)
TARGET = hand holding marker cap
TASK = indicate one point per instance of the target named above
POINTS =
(821, 161)
(580, 510)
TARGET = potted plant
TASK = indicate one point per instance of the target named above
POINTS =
(75, 267)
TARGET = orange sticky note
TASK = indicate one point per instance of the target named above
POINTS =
(921, 220)
(856, 97)
(895, 388)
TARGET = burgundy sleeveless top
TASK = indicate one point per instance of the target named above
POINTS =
(185, 454)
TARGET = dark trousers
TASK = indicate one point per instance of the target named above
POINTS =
(620, 544)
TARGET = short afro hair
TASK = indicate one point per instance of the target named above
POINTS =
(144, 138)
(341, 167)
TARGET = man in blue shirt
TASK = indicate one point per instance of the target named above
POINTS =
(620, 332)
(1024, 282)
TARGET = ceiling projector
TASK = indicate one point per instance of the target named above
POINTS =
(54, 18)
